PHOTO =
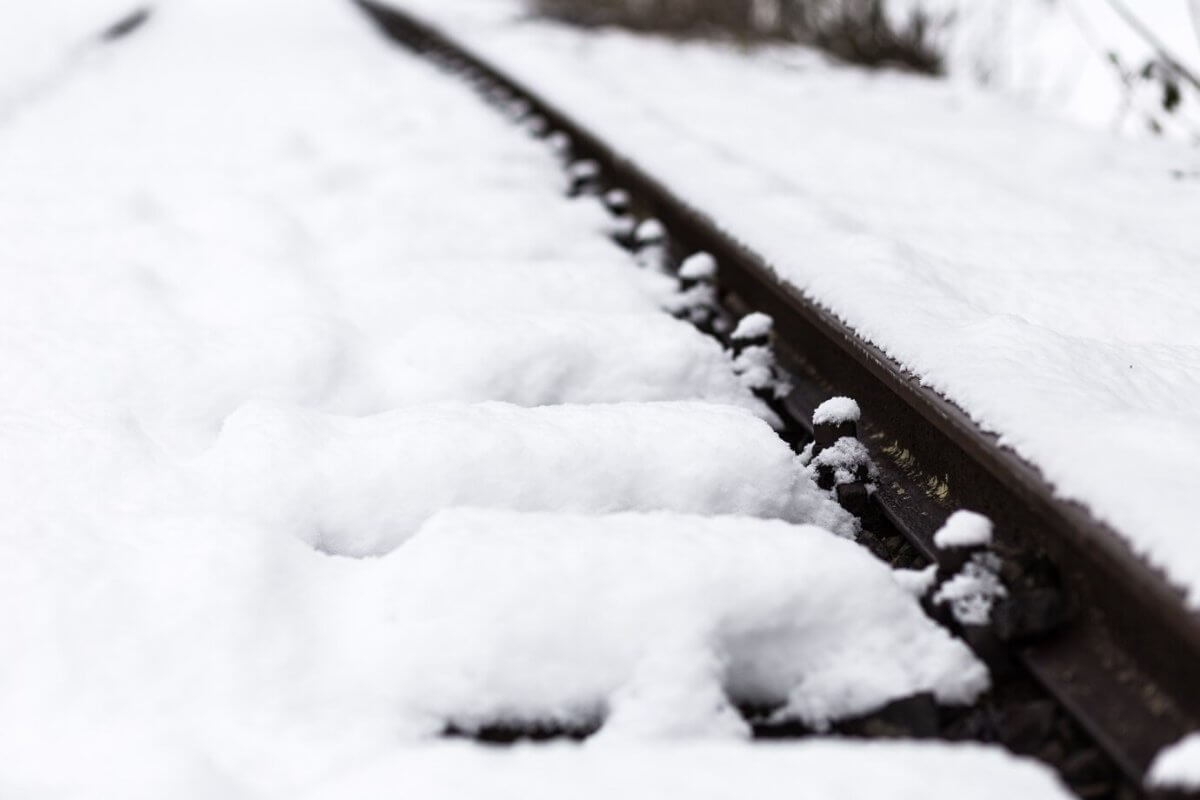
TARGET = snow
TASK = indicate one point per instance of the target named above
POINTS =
(964, 529)
(755, 325)
(699, 267)
(42, 46)
(837, 770)
(973, 591)
(1056, 56)
(1037, 274)
(617, 200)
(916, 581)
(836, 410)
(271, 296)
(657, 624)
(649, 231)
(584, 169)
(845, 458)
(1178, 766)
(552, 358)
(361, 486)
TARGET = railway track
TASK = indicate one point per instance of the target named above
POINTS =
(1095, 654)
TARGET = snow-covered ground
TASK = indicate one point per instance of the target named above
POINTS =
(43, 44)
(1178, 767)
(1040, 275)
(712, 771)
(275, 301)
(1081, 59)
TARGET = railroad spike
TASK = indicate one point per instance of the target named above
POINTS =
(834, 419)
(584, 177)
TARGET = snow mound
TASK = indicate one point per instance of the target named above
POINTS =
(836, 410)
(547, 358)
(964, 529)
(657, 624)
(649, 231)
(1178, 766)
(754, 325)
(698, 267)
(361, 486)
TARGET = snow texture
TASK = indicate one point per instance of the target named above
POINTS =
(836, 410)
(1178, 766)
(848, 460)
(658, 623)
(1038, 274)
(916, 581)
(1081, 60)
(755, 365)
(362, 486)
(755, 325)
(699, 267)
(964, 529)
(974, 590)
(264, 283)
(834, 770)
(649, 231)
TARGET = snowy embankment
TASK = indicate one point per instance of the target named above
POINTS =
(264, 284)
(42, 44)
(1039, 275)
(1083, 59)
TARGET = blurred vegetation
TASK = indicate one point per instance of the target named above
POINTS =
(858, 31)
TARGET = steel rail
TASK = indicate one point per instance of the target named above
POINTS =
(1126, 667)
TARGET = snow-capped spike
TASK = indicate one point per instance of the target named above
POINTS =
(696, 269)
(752, 330)
(754, 327)
(649, 232)
(834, 419)
(964, 529)
(537, 125)
(560, 143)
(617, 201)
(584, 175)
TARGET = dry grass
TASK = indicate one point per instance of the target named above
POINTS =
(857, 31)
